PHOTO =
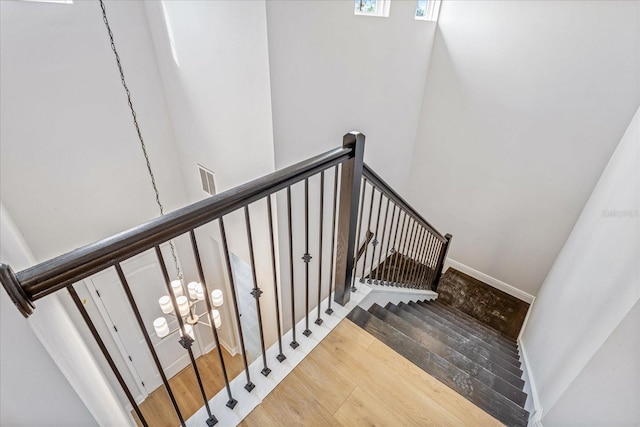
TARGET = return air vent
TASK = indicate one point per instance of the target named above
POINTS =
(207, 179)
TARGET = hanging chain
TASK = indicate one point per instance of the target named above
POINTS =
(135, 122)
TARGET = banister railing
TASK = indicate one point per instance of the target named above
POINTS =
(35, 282)
(400, 249)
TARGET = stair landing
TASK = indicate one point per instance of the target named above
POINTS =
(352, 378)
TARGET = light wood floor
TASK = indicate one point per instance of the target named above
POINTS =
(157, 408)
(353, 379)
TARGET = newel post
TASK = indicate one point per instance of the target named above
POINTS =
(441, 259)
(350, 180)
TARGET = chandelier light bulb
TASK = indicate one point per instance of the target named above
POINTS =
(165, 304)
(216, 298)
(217, 321)
(161, 327)
(199, 291)
(183, 305)
(176, 286)
(192, 287)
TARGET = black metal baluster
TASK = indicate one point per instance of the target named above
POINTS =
(425, 235)
(231, 403)
(432, 243)
(388, 255)
(366, 248)
(256, 291)
(384, 229)
(399, 256)
(355, 264)
(418, 256)
(107, 356)
(225, 248)
(375, 241)
(394, 249)
(409, 258)
(306, 258)
(410, 263)
(425, 270)
(406, 250)
(185, 341)
(436, 254)
(432, 251)
(425, 256)
(329, 310)
(280, 355)
(319, 320)
(294, 344)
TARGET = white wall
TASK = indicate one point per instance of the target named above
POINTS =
(214, 63)
(615, 371)
(592, 286)
(71, 167)
(333, 72)
(72, 170)
(524, 103)
(44, 363)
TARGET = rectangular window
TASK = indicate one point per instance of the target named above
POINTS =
(372, 7)
(427, 10)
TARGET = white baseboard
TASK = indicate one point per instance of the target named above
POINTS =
(491, 281)
(533, 401)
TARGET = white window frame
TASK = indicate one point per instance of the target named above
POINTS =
(432, 12)
(382, 9)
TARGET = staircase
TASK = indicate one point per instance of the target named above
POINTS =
(474, 360)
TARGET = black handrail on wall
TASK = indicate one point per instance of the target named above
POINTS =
(412, 251)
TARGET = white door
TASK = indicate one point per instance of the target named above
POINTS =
(147, 285)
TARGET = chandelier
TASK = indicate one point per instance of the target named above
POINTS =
(187, 305)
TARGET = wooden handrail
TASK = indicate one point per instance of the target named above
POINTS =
(35, 282)
(363, 246)
(389, 192)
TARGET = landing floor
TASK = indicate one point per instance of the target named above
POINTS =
(353, 379)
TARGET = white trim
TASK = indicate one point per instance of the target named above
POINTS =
(117, 339)
(491, 281)
(533, 401)
(382, 295)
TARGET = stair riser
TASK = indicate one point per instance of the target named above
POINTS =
(460, 361)
(493, 403)
(468, 351)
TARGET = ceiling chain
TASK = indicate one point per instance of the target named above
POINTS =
(135, 123)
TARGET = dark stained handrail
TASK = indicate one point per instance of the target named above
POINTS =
(393, 195)
(35, 282)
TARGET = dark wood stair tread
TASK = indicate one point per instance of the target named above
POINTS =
(461, 314)
(474, 327)
(462, 382)
(462, 345)
(459, 360)
(494, 353)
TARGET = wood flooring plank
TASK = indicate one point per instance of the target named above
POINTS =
(291, 403)
(319, 376)
(362, 409)
(259, 418)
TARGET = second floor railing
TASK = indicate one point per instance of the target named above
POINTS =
(321, 206)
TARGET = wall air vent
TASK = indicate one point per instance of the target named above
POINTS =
(207, 179)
